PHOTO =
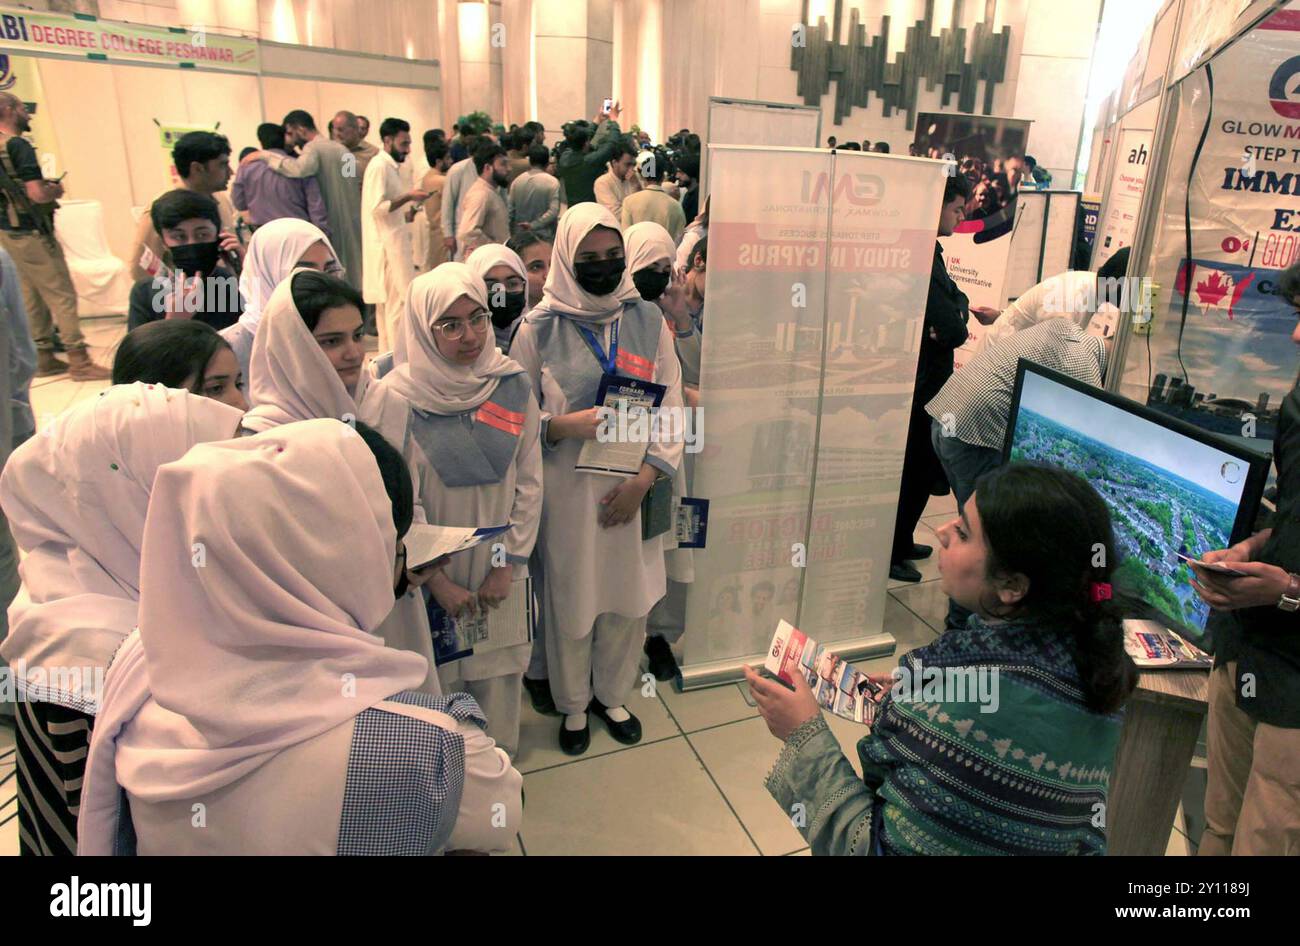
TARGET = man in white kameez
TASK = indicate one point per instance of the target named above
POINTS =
(387, 257)
(459, 180)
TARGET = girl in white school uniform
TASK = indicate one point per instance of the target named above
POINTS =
(307, 364)
(506, 281)
(307, 357)
(76, 497)
(468, 423)
(600, 578)
(256, 694)
(505, 277)
(276, 250)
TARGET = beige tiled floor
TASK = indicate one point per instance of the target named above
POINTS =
(694, 785)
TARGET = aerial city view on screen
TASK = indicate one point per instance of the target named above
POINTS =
(1156, 513)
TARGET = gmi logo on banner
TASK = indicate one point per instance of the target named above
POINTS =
(861, 190)
(1284, 89)
(7, 77)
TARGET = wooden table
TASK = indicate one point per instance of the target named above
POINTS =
(1161, 726)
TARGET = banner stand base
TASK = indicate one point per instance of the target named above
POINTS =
(721, 672)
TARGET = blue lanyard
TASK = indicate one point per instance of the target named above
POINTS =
(593, 343)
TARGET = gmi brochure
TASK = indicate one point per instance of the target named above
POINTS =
(838, 686)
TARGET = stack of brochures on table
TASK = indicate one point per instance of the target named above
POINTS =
(838, 686)
(1153, 646)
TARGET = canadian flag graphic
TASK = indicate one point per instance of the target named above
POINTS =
(1212, 288)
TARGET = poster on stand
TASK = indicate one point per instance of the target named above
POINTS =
(1089, 216)
(819, 266)
(990, 153)
(1124, 196)
(1221, 355)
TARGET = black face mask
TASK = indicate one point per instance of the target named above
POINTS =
(601, 277)
(504, 314)
(196, 259)
(650, 284)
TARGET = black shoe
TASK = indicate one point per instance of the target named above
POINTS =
(627, 732)
(919, 552)
(904, 571)
(539, 693)
(57, 345)
(662, 663)
(575, 742)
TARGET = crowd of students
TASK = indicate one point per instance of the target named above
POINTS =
(220, 647)
(267, 390)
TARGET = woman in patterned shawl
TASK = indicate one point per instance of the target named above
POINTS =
(999, 737)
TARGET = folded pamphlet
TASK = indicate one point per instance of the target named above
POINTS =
(424, 543)
(1154, 647)
(839, 686)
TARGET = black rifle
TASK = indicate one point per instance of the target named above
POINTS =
(42, 215)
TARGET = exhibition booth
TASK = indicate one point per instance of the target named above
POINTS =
(1190, 167)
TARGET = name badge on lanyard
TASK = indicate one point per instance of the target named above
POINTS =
(607, 362)
(617, 364)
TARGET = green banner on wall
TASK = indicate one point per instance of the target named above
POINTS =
(90, 37)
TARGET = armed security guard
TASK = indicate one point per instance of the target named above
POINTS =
(27, 205)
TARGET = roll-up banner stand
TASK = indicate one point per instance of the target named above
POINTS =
(1042, 244)
(989, 151)
(1220, 350)
(1123, 194)
(819, 268)
(746, 122)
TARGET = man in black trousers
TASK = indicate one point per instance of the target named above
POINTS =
(946, 311)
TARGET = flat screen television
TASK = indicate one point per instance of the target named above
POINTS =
(1171, 487)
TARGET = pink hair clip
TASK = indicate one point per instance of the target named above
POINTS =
(1099, 591)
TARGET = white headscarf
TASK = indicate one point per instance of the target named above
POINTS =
(290, 377)
(562, 293)
(270, 640)
(490, 255)
(645, 244)
(428, 380)
(76, 496)
(272, 255)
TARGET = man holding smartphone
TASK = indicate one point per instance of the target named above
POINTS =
(27, 233)
(1252, 799)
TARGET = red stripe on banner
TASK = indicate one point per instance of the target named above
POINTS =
(1282, 20)
(635, 365)
(500, 423)
(504, 413)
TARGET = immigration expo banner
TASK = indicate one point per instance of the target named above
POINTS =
(1229, 225)
(819, 265)
(36, 32)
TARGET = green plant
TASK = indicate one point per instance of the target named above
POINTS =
(478, 122)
